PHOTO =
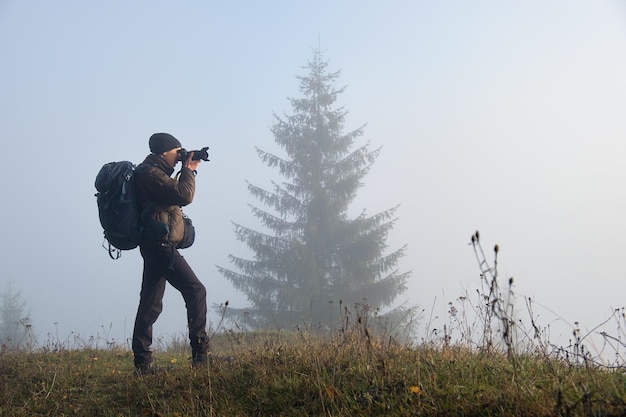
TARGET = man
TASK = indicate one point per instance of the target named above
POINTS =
(160, 198)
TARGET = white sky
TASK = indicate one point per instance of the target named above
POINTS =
(501, 116)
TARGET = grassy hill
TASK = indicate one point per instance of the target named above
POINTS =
(483, 362)
(297, 374)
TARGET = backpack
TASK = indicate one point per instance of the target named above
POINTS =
(117, 207)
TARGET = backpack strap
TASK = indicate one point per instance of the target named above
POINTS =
(172, 250)
(112, 250)
(149, 207)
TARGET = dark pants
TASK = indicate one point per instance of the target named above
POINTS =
(161, 264)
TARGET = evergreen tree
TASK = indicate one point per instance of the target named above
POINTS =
(14, 324)
(312, 253)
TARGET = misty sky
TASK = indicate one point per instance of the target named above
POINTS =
(501, 116)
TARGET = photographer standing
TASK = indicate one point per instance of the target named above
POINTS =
(160, 199)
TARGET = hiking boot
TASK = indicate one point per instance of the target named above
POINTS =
(198, 359)
(148, 368)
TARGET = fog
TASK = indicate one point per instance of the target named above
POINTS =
(499, 116)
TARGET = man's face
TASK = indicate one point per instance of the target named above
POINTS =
(171, 156)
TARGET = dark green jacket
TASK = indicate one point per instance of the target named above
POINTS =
(163, 196)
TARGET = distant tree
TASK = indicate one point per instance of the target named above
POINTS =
(312, 253)
(15, 326)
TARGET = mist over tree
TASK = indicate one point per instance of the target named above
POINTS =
(15, 326)
(311, 255)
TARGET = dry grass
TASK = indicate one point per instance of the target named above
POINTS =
(483, 362)
(298, 374)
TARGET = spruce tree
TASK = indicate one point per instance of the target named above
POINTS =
(311, 253)
(14, 324)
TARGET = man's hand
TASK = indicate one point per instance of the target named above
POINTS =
(190, 163)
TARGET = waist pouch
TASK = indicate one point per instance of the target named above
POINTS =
(189, 235)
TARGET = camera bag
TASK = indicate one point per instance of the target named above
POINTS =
(189, 235)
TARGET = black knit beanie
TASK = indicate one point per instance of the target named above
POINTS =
(163, 142)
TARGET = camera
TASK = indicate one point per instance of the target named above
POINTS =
(201, 154)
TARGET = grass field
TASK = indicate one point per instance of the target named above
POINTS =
(295, 374)
(484, 361)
